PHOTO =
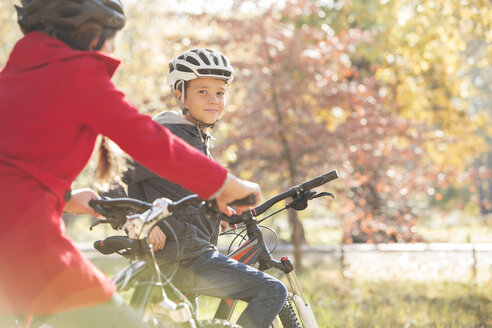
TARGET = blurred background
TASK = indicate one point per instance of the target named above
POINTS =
(396, 95)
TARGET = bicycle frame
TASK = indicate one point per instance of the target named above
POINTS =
(254, 252)
(149, 296)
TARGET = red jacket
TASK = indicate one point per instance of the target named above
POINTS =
(54, 101)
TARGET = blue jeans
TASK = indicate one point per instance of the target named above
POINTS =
(217, 275)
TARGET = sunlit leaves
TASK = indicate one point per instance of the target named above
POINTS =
(396, 94)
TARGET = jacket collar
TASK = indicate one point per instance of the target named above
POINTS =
(173, 117)
(37, 49)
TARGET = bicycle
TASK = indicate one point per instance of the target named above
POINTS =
(143, 274)
(255, 252)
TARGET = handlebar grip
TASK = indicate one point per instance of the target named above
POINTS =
(305, 186)
(93, 203)
(235, 219)
(319, 181)
(248, 200)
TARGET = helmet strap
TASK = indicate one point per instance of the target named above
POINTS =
(102, 39)
(180, 86)
(197, 122)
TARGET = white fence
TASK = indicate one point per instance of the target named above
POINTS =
(419, 261)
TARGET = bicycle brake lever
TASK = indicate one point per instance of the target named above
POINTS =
(95, 223)
(299, 202)
(322, 194)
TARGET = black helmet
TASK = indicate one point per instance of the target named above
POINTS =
(70, 13)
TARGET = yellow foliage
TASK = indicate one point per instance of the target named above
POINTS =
(430, 57)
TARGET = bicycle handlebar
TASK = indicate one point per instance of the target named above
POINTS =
(120, 210)
(301, 188)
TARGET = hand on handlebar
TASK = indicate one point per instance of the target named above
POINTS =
(157, 238)
(79, 202)
(224, 225)
(235, 189)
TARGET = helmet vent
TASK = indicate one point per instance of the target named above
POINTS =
(216, 72)
(193, 61)
(183, 68)
(204, 58)
(113, 4)
(69, 12)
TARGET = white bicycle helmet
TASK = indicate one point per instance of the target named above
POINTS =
(197, 63)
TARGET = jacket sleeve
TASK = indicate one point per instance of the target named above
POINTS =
(104, 109)
(136, 173)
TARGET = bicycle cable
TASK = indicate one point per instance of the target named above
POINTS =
(243, 237)
(145, 221)
(266, 217)
(237, 235)
(270, 251)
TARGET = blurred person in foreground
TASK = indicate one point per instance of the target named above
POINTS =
(56, 97)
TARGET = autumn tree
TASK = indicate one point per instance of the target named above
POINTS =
(379, 90)
(9, 30)
(433, 61)
(309, 104)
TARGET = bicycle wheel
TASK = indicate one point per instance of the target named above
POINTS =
(216, 323)
(288, 316)
(213, 323)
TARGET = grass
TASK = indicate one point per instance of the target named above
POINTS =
(359, 303)
(368, 300)
(365, 303)
(364, 298)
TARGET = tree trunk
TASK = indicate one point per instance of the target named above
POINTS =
(484, 197)
(298, 238)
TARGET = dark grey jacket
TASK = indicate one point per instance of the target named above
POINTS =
(196, 234)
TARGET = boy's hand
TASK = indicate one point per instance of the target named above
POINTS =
(157, 238)
(224, 225)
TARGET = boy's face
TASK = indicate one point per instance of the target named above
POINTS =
(205, 98)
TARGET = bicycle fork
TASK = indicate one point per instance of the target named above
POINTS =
(297, 296)
(254, 251)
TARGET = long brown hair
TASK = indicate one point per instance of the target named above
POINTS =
(110, 163)
(81, 37)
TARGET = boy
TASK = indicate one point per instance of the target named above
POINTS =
(199, 79)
